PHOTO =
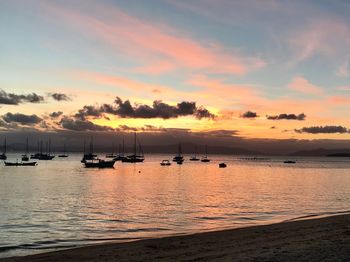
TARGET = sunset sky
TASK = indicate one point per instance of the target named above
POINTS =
(252, 69)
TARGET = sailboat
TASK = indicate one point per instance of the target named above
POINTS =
(136, 157)
(179, 157)
(205, 158)
(41, 155)
(3, 155)
(25, 156)
(121, 153)
(64, 151)
(194, 157)
(90, 155)
(111, 155)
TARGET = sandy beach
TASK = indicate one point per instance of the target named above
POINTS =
(320, 239)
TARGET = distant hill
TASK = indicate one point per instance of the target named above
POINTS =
(187, 148)
(340, 152)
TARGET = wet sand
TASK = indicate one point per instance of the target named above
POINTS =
(321, 239)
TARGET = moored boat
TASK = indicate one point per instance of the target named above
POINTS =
(222, 165)
(194, 157)
(20, 163)
(205, 159)
(165, 163)
(3, 154)
(179, 157)
(100, 163)
(137, 157)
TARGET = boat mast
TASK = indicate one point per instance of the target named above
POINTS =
(5, 145)
(27, 146)
(135, 144)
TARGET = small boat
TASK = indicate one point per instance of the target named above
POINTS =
(165, 163)
(179, 157)
(205, 159)
(25, 156)
(64, 152)
(194, 157)
(3, 154)
(136, 157)
(41, 155)
(89, 156)
(111, 155)
(289, 162)
(222, 165)
(180, 162)
(20, 163)
(99, 164)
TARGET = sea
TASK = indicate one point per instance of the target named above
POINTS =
(60, 204)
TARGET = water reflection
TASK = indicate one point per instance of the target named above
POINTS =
(64, 204)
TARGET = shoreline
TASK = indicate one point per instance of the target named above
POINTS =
(316, 239)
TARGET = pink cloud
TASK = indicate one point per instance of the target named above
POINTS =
(324, 36)
(302, 85)
(149, 42)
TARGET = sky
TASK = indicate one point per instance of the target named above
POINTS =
(274, 69)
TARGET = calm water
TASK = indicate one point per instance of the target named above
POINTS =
(60, 204)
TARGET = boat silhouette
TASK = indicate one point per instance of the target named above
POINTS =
(179, 157)
(99, 163)
(165, 163)
(41, 155)
(64, 152)
(25, 156)
(194, 157)
(20, 163)
(90, 155)
(136, 157)
(205, 159)
(3, 154)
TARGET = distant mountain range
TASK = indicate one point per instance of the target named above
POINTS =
(340, 152)
(187, 148)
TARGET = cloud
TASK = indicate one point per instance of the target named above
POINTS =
(21, 118)
(91, 111)
(302, 85)
(158, 109)
(299, 117)
(60, 97)
(323, 130)
(249, 114)
(344, 69)
(82, 125)
(56, 114)
(13, 99)
(150, 42)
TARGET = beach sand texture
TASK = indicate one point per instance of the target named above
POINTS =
(320, 239)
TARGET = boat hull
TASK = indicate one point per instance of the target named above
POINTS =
(100, 164)
(20, 164)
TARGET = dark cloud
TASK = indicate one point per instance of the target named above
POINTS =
(299, 117)
(88, 111)
(60, 97)
(249, 114)
(13, 99)
(82, 125)
(323, 130)
(56, 114)
(21, 118)
(158, 109)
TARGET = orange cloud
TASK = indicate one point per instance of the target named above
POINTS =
(301, 84)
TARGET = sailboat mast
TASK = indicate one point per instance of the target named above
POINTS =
(135, 143)
(5, 146)
(27, 146)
